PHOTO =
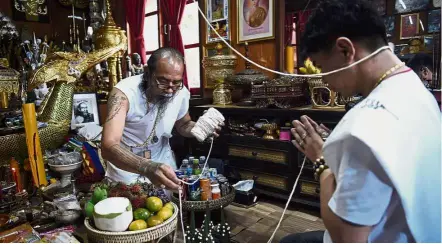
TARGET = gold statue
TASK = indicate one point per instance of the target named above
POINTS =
(256, 14)
(63, 69)
(111, 35)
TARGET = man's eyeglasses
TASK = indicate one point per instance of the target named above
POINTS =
(164, 84)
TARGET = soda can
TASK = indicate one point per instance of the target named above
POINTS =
(205, 187)
(205, 196)
(185, 187)
(179, 173)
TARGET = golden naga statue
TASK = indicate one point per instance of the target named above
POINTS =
(63, 70)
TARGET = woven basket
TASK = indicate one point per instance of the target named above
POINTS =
(138, 236)
(203, 205)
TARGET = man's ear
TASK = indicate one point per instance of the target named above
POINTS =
(346, 47)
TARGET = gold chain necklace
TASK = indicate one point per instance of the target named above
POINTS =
(389, 72)
(152, 137)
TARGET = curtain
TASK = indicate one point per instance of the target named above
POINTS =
(135, 18)
(302, 20)
(173, 11)
(288, 28)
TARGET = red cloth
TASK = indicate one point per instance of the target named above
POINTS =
(289, 28)
(302, 19)
(172, 12)
(135, 18)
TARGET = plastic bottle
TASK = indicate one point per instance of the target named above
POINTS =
(196, 167)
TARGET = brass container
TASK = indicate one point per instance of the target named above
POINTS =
(270, 131)
(4, 100)
(324, 98)
(110, 35)
(217, 69)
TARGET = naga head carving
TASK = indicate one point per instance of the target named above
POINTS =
(68, 67)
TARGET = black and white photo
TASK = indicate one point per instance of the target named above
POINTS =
(84, 110)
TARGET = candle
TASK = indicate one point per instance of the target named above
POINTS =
(33, 143)
(15, 178)
(15, 169)
(290, 59)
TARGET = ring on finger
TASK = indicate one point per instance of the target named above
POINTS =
(301, 143)
(303, 136)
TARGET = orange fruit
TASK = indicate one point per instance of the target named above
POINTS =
(138, 225)
(154, 221)
(154, 204)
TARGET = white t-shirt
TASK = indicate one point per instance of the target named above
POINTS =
(139, 125)
(385, 154)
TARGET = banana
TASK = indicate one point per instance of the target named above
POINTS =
(303, 70)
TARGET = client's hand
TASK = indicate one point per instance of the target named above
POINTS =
(161, 175)
(307, 139)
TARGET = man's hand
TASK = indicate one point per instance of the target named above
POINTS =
(307, 139)
(161, 175)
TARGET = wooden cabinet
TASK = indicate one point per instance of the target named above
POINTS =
(274, 164)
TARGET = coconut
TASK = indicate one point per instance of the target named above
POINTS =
(113, 214)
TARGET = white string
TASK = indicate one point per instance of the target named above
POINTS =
(180, 190)
(288, 201)
(286, 74)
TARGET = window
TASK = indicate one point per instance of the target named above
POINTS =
(190, 31)
(191, 39)
(151, 27)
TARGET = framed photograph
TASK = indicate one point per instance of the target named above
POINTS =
(434, 21)
(389, 25)
(217, 12)
(84, 110)
(406, 6)
(256, 20)
(409, 26)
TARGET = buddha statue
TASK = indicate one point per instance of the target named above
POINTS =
(137, 66)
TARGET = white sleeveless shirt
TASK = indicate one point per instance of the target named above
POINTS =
(139, 126)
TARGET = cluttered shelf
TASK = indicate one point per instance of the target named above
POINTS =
(256, 144)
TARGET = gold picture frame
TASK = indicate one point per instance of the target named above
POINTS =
(259, 28)
(409, 26)
(222, 22)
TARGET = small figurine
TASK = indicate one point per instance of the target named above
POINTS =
(137, 66)
(129, 67)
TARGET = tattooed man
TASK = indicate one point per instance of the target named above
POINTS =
(142, 111)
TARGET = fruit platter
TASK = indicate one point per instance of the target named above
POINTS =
(129, 213)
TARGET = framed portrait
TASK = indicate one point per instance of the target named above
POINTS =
(406, 6)
(409, 26)
(256, 20)
(30, 11)
(434, 21)
(84, 110)
(389, 25)
(217, 11)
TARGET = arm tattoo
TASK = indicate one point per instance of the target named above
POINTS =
(114, 103)
(126, 160)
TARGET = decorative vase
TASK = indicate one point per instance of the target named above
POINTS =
(217, 68)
